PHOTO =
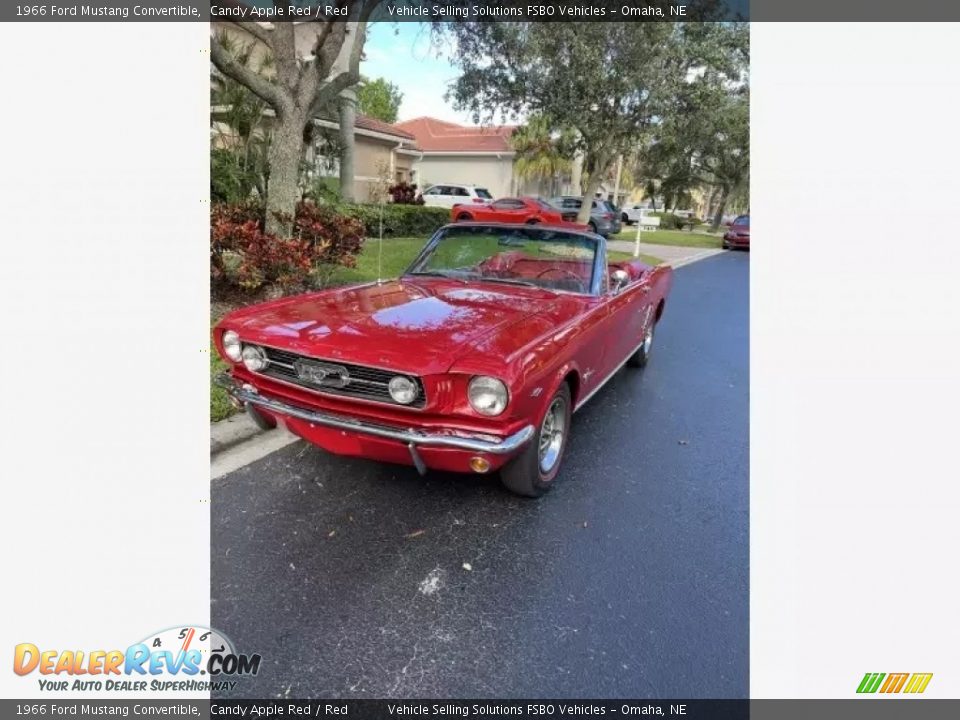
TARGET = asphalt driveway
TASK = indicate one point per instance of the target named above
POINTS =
(630, 579)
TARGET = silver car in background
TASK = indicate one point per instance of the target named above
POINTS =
(604, 219)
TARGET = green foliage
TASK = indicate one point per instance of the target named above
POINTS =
(669, 221)
(705, 140)
(610, 82)
(398, 220)
(379, 99)
(243, 257)
(240, 140)
(231, 181)
(540, 152)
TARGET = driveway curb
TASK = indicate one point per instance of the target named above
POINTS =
(694, 258)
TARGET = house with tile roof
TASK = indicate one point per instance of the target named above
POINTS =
(383, 154)
(467, 155)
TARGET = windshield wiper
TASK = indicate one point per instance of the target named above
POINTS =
(512, 281)
(438, 273)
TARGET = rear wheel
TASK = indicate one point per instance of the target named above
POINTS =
(642, 355)
(532, 472)
(464, 216)
(593, 227)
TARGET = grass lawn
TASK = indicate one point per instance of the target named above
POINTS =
(678, 238)
(220, 406)
(397, 255)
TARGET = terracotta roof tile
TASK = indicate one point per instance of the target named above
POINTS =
(366, 122)
(435, 135)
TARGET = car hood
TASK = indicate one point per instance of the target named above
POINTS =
(418, 326)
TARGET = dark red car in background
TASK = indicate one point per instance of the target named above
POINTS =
(738, 234)
(522, 210)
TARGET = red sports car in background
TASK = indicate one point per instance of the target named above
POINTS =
(738, 235)
(522, 210)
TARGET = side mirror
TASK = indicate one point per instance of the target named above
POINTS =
(618, 280)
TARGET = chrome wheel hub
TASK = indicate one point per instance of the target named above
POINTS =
(552, 434)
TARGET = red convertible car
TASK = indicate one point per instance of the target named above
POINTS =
(527, 210)
(472, 361)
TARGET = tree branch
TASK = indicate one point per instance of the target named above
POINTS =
(267, 91)
(348, 78)
(256, 30)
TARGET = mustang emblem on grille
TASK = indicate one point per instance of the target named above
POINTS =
(322, 374)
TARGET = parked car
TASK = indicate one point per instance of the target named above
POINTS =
(449, 195)
(472, 361)
(633, 213)
(529, 210)
(603, 220)
(738, 235)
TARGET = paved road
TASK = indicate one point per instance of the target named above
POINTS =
(630, 579)
(669, 254)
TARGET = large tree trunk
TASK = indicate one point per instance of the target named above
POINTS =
(348, 116)
(593, 184)
(286, 151)
(718, 215)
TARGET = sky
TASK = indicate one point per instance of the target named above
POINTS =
(404, 54)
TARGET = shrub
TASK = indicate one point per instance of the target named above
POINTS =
(334, 239)
(263, 259)
(404, 194)
(243, 256)
(398, 220)
(669, 221)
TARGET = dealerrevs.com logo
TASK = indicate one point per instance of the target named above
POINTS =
(181, 659)
(910, 683)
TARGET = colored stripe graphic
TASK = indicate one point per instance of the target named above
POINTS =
(870, 682)
(894, 683)
(918, 682)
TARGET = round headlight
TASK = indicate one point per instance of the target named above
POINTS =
(231, 345)
(402, 389)
(487, 395)
(254, 357)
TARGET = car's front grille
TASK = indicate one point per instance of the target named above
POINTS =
(337, 378)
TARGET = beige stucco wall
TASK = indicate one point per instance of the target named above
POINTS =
(489, 171)
(374, 159)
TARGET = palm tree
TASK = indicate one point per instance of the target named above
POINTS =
(239, 136)
(540, 153)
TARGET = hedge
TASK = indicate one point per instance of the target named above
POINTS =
(669, 221)
(398, 220)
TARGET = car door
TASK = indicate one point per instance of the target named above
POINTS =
(433, 197)
(629, 312)
(508, 210)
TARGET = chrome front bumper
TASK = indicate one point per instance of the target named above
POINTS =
(246, 393)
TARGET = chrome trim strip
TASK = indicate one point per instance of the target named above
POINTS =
(247, 393)
(344, 396)
(607, 378)
(321, 392)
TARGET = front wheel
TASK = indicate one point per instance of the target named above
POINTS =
(642, 356)
(532, 472)
(463, 217)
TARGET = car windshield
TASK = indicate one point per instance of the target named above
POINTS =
(550, 259)
(483, 193)
(742, 220)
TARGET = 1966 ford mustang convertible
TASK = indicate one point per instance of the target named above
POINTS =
(472, 361)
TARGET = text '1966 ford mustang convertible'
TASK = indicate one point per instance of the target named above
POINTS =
(472, 361)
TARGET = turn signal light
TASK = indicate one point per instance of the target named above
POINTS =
(479, 465)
